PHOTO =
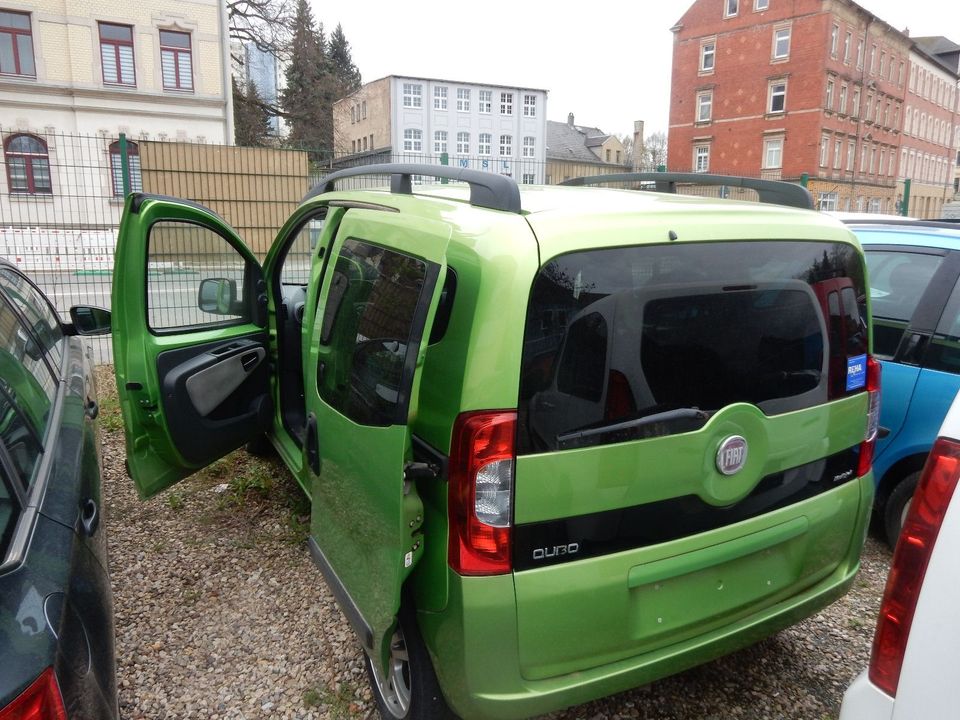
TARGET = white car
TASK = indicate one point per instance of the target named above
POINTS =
(913, 670)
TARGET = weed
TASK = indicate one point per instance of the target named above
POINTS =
(175, 501)
(312, 698)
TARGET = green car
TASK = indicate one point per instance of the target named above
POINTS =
(559, 441)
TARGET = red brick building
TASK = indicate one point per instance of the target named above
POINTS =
(777, 89)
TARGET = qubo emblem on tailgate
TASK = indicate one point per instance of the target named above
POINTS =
(732, 455)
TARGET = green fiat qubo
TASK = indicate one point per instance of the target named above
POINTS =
(558, 441)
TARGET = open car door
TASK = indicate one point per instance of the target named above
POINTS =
(368, 342)
(189, 339)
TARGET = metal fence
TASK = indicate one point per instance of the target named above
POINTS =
(61, 198)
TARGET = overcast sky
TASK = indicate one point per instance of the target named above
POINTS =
(609, 63)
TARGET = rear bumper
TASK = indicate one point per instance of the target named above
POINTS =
(865, 701)
(476, 648)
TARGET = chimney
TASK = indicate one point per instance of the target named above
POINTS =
(637, 144)
(570, 119)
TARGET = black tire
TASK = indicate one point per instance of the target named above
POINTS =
(259, 446)
(412, 691)
(895, 509)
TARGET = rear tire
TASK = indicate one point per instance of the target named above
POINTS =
(260, 446)
(411, 690)
(897, 505)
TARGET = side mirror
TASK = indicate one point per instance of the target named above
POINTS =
(218, 296)
(89, 320)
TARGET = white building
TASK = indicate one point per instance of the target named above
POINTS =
(495, 128)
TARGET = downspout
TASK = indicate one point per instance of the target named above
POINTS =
(225, 63)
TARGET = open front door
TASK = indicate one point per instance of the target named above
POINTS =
(189, 339)
(368, 342)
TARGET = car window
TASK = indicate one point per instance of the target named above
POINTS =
(898, 279)
(944, 351)
(9, 511)
(297, 260)
(675, 332)
(181, 256)
(368, 320)
(26, 394)
(40, 316)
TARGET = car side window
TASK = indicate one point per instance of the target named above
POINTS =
(897, 282)
(299, 255)
(195, 279)
(944, 351)
(40, 316)
(368, 321)
(27, 389)
(9, 510)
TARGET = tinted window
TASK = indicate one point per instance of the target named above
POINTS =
(26, 394)
(679, 331)
(897, 281)
(944, 351)
(9, 511)
(299, 255)
(41, 318)
(369, 325)
(180, 256)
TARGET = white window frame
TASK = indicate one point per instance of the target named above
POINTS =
(701, 158)
(781, 35)
(704, 102)
(827, 201)
(440, 97)
(847, 41)
(771, 94)
(731, 8)
(463, 99)
(851, 154)
(773, 148)
(440, 141)
(506, 103)
(412, 95)
(413, 140)
(506, 146)
(824, 151)
(485, 102)
(529, 146)
(842, 100)
(711, 53)
(837, 153)
(530, 106)
(828, 101)
(834, 40)
(529, 179)
(484, 141)
(463, 143)
(759, 5)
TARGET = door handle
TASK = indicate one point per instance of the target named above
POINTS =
(249, 361)
(89, 516)
(91, 409)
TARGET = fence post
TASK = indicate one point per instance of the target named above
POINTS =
(444, 160)
(804, 179)
(905, 203)
(124, 164)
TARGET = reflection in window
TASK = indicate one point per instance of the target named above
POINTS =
(41, 318)
(133, 166)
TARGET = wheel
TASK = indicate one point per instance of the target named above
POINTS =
(898, 503)
(410, 691)
(259, 446)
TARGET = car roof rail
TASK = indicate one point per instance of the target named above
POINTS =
(908, 222)
(776, 192)
(487, 190)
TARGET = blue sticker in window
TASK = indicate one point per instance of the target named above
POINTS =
(856, 372)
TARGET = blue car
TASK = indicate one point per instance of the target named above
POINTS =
(914, 268)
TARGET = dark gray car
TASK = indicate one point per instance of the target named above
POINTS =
(56, 611)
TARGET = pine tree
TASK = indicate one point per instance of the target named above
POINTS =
(251, 119)
(345, 72)
(310, 85)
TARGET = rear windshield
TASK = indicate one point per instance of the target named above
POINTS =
(629, 343)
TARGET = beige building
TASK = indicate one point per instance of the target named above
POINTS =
(579, 150)
(75, 74)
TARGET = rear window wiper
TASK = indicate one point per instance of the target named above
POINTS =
(576, 437)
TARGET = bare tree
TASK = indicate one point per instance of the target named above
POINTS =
(627, 142)
(655, 151)
(265, 23)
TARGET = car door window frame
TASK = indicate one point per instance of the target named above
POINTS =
(29, 329)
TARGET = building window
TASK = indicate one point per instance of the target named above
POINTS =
(851, 154)
(824, 150)
(708, 55)
(900, 76)
(363, 109)
(607, 156)
(16, 44)
(827, 201)
(781, 43)
(506, 103)
(778, 97)
(484, 140)
(463, 143)
(731, 8)
(506, 146)
(133, 165)
(412, 140)
(701, 158)
(860, 54)
(529, 147)
(829, 99)
(440, 98)
(847, 41)
(463, 100)
(528, 179)
(873, 59)
(530, 106)
(353, 114)
(364, 143)
(116, 54)
(760, 4)
(176, 60)
(439, 141)
(837, 153)
(834, 40)
(883, 62)
(704, 106)
(843, 98)
(486, 101)
(856, 102)
(412, 95)
(773, 153)
(28, 165)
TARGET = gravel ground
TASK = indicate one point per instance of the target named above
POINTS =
(220, 613)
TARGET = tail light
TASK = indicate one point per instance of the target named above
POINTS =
(481, 492)
(910, 560)
(865, 459)
(620, 402)
(40, 701)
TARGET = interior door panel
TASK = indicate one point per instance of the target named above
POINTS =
(216, 395)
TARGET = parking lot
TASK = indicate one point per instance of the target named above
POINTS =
(221, 614)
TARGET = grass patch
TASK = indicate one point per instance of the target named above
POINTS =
(175, 501)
